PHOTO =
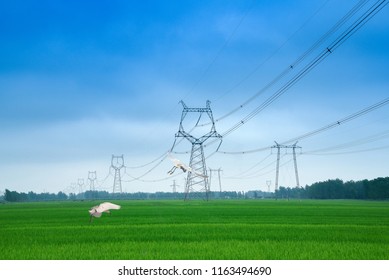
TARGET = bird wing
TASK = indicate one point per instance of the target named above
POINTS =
(190, 169)
(175, 161)
(187, 168)
(96, 214)
(95, 211)
(105, 206)
(184, 167)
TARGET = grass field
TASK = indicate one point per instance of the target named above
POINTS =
(229, 229)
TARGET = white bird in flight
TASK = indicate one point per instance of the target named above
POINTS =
(178, 164)
(97, 211)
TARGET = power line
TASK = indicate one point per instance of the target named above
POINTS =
(312, 64)
(341, 121)
(246, 152)
(322, 129)
(139, 178)
(349, 152)
(301, 58)
(288, 69)
(258, 163)
(255, 173)
(232, 34)
(148, 163)
(347, 145)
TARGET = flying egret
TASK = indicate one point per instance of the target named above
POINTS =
(178, 164)
(97, 211)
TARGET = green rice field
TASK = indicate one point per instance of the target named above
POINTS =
(197, 230)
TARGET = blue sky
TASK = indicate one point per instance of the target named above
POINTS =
(82, 80)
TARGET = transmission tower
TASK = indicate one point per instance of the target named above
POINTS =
(219, 178)
(92, 177)
(294, 147)
(117, 163)
(80, 184)
(268, 183)
(195, 182)
(174, 186)
(279, 147)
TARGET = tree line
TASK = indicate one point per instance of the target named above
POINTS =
(376, 189)
(13, 196)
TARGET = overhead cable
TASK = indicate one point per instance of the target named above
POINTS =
(319, 58)
(227, 41)
(348, 145)
(300, 59)
(322, 129)
(348, 152)
(341, 121)
(252, 72)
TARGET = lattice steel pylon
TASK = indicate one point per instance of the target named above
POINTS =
(195, 182)
(80, 183)
(279, 147)
(92, 177)
(117, 163)
(219, 178)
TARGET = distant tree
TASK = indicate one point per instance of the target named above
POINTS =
(330, 189)
(32, 196)
(377, 188)
(354, 190)
(62, 196)
(9, 196)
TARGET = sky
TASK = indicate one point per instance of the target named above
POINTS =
(81, 81)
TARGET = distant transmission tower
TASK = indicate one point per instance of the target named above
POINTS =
(92, 177)
(268, 183)
(219, 178)
(294, 147)
(174, 186)
(279, 147)
(195, 182)
(80, 184)
(117, 163)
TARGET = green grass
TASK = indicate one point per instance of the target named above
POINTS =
(234, 229)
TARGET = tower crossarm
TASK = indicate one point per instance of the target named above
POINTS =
(184, 134)
(211, 134)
